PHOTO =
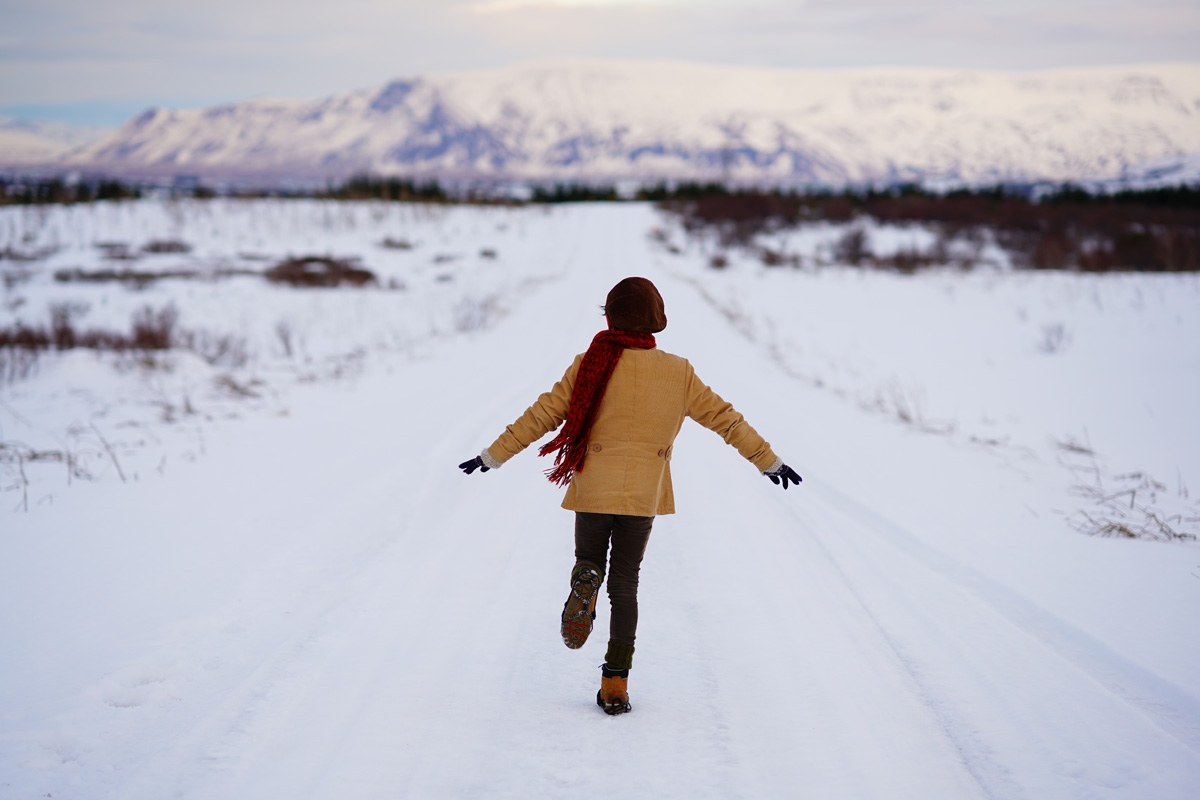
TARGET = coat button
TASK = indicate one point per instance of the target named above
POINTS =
(595, 448)
(660, 452)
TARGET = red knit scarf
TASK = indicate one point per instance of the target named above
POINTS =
(590, 382)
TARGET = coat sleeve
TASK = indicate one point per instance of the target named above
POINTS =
(706, 407)
(546, 414)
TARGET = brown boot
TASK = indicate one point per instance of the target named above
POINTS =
(580, 608)
(613, 696)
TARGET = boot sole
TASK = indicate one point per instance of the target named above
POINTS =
(577, 627)
(612, 709)
(573, 638)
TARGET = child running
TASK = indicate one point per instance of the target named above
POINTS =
(624, 402)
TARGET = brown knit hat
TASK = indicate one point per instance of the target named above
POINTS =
(634, 304)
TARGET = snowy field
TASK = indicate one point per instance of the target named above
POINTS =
(247, 567)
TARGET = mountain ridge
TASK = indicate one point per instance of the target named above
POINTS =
(592, 120)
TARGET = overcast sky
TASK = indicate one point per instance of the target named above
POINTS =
(100, 61)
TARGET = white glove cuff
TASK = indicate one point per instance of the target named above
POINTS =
(775, 467)
(488, 461)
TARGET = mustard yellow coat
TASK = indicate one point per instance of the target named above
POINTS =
(627, 469)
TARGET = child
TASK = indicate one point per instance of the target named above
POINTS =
(624, 402)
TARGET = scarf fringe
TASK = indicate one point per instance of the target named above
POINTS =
(568, 461)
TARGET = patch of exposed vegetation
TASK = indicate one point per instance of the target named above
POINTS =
(1133, 505)
(139, 279)
(36, 254)
(162, 246)
(150, 330)
(320, 271)
(1155, 230)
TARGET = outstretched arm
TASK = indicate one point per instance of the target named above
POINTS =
(546, 414)
(706, 407)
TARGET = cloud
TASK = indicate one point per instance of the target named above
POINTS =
(158, 51)
(500, 6)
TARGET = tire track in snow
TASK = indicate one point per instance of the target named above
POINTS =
(815, 701)
(991, 777)
(1166, 705)
(444, 572)
(1013, 703)
(439, 560)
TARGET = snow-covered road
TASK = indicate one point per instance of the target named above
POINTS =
(323, 606)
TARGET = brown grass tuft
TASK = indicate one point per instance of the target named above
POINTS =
(320, 272)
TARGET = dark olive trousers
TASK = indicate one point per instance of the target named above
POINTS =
(627, 535)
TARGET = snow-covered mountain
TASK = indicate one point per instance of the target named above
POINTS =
(644, 120)
(30, 142)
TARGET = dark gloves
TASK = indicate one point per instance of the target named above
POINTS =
(783, 474)
(475, 463)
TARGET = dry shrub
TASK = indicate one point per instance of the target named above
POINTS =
(152, 330)
(117, 251)
(161, 246)
(15, 455)
(24, 337)
(473, 314)
(218, 349)
(396, 244)
(1129, 506)
(15, 277)
(1139, 232)
(1054, 338)
(1085, 234)
(774, 258)
(16, 363)
(1138, 507)
(134, 279)
(37, 254)
(320, 271)
(139, 279)
(908, 260)
(854, 247)
(242, 390)
(737, 218)
(283, 332)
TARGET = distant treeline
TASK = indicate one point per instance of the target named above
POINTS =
(1171, 197)
(366, 187)
(371, 188)
(1065, 228)
(574, 193)
(785, 202)
(55, 190)
(24, 191)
